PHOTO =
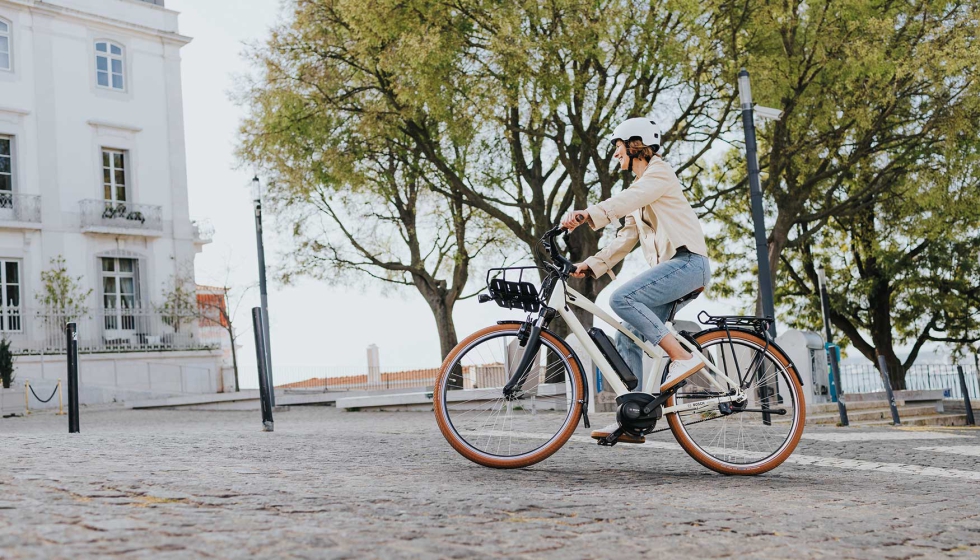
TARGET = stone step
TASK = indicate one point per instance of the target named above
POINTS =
(931, 420)
(828, 408)
(873, 414)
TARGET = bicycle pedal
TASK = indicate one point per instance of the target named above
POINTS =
(619, 436)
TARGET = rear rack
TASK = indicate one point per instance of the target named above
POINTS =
(760, 324)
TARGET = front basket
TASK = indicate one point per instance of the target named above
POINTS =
(513, 293)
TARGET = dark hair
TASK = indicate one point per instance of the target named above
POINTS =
(636, 149)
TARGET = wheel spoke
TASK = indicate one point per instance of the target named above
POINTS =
(742, 439)
(480, 417)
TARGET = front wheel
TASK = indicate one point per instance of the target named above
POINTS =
(495, 430)
(745, 438)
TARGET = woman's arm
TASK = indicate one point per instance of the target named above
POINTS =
(651, 186)
(604, 260)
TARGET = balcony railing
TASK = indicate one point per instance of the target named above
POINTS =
(203, 231)
(33, 330)
(16, 207)
(108, 215)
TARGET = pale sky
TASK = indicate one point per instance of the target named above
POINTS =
(313, 323)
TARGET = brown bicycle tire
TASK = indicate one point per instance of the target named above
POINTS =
(692, 449)
(537, 455)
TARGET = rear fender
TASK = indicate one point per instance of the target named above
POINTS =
(772, 343)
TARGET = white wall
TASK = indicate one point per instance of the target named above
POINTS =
(60, 120)
(116, 378)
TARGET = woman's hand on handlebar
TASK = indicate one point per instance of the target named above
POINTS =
(581, 269)
(574, 219)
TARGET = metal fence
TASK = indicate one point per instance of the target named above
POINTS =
(124, 215)
(353, 378)
(16, 207)
(203, 231)
(866, 379)
(340, 378)
(35, 331)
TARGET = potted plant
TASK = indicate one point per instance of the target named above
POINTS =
(6, 363)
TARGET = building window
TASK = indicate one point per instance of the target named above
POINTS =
(114, 175)
(10, 296)
(109, 65)
(5, 45)
(6, 165)
(119, 294)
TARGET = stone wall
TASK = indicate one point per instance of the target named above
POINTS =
(116, 378)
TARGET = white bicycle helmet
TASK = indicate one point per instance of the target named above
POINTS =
(644, 130)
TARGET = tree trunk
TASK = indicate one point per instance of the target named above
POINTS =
(442, 305)
(896, 371)
(234, 355)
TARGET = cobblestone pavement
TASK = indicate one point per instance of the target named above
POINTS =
(329, 484)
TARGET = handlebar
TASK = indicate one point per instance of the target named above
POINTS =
(548, 240)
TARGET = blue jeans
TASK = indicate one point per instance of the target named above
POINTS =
(644, 302)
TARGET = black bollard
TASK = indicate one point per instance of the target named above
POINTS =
(883, 369)
(835, 372)
(71, 335)
(970, 421)
(265, 398)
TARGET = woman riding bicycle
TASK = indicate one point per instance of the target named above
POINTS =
(658, 216)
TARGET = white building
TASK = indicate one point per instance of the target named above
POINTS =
(92, 170)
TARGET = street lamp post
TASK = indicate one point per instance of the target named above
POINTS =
(837, 392)
(257, 196)
(755, 191)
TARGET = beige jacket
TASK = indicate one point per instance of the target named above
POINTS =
(657, 215)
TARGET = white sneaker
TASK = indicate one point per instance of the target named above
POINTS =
(681, 370)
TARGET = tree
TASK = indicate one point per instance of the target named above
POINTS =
(179, 300)
(509, 105)
(551, 82)
(6, 363)
(874, 96)
(905, 269)
(62, 298)
(214, 311)
(362, 199)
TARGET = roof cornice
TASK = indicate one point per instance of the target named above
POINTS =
(57, 10)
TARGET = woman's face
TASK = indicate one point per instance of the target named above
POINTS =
(620, 154)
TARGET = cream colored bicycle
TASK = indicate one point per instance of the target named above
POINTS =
(512, 394)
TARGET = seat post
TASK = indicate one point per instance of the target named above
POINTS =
(673, 310)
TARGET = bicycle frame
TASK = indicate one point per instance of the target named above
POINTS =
(563, 296)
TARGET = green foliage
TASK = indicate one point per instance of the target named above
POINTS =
(62, 293)
(869, 169)
(179, 306)
(395, 112)
(6, 363)
(505, 107)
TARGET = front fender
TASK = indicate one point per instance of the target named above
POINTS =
(578, 362)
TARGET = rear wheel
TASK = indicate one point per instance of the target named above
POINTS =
(745, 438)
(494, 430)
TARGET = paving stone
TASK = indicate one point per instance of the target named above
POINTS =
(325, 484)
